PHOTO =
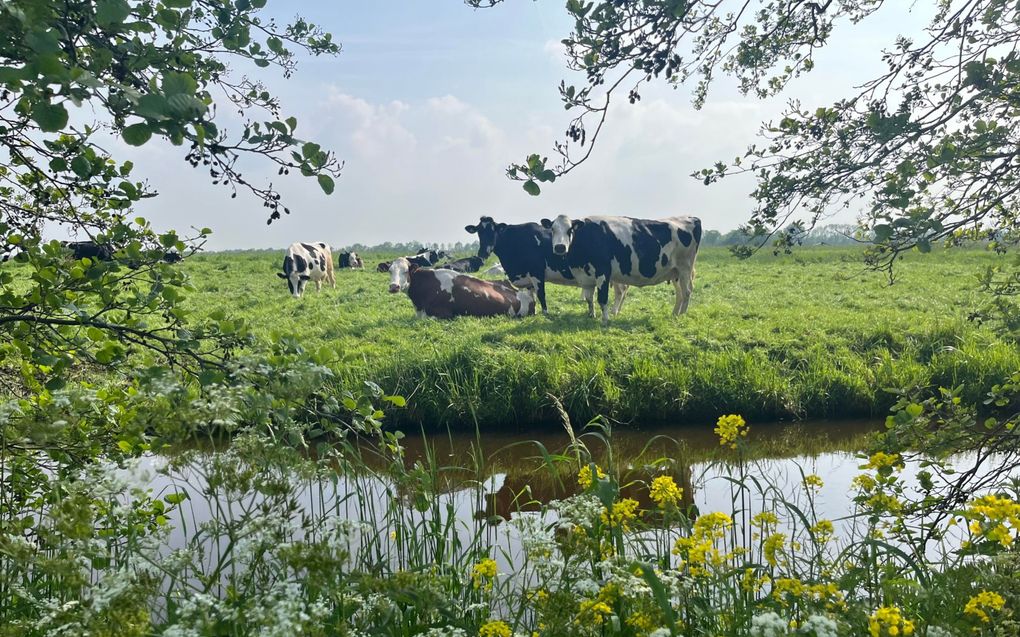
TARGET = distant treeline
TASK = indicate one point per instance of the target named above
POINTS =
(836, 234)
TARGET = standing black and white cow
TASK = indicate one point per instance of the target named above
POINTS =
(604, 251)
(307, 262)
(90, 250)
(526, 254)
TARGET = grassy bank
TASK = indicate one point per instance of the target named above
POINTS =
(811, 335)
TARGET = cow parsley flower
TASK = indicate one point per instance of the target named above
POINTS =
(769, 625)
(819, 626)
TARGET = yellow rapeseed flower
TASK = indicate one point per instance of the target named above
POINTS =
(773, 544)
(641, 623)
(994, 517)
(584, 476)
(664, 492)
(495, 628)
(765, 519)
(729, 429)
(622, 514)
(980, 604)
(593, 610)
(813, 481)
(823, 530)
(483, 572)
(880, 459)
(889, 620)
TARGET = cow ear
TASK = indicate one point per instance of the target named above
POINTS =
(546, 224)
(412, 267)
(471, 229)
(576, 223)
(281, 275)
(305, 277)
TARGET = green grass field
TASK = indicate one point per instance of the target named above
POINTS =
(813, 335)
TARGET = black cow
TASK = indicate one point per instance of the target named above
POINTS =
(604, 251)
(90, 250)
(172, 256)
(469, 264)
(525, 252)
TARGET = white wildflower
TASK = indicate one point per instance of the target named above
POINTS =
(821, 626)
(769, 625)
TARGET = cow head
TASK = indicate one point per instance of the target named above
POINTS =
(487, 231)
(296, 278)
(563, 229)
(400, 274)
(527, 300)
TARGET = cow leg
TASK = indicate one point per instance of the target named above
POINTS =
(684, 288)
(318, 285)
(604, 299)
(540, 291)
(330, 274)
(619, 294)
(588, 294)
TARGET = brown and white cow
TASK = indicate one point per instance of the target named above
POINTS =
(442, 293)
(307, 262)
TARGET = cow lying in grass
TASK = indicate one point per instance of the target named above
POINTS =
(444, 293)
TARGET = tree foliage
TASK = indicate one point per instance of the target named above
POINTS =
(924, 152)
(73, 74)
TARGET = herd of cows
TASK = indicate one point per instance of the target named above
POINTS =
(593, 253)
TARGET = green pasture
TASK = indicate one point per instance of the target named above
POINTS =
(809, 335)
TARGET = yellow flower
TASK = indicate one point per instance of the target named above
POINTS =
(889, 620)
(880, 460)
(995, 518)
(983, 602)
(495, 628)
(483, 572)
(699, 550)
(823, 530)
(622, 514)
(813, 481)
(729, 428)
(641, 623)
(773, 544)
(664, 492)
(593, 610)
(584, 476)
(765, 519)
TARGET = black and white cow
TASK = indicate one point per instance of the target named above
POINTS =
(604, 251)
(307, 262)
(525, 252)
(444, 293)
(469, 264)
(350, 260)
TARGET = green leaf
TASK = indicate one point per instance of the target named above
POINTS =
(50, 117)
(532, 188)
(81, 166)
(153, 106)
(179, 83)
(177, 4)
(111, 12)
(137, 134)
(883, 232)
(275, 45)
(326, 183)
(291, 123)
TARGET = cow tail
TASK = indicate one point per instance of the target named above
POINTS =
(697, 232)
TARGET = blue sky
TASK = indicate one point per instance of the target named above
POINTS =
(430, 100)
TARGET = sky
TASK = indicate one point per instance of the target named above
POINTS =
(430, 100)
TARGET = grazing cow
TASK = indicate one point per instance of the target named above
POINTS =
(604, 251)
(90, 250)
(350, 260)
(470, 264)
(442, 293)
(525, 252)
(305, 262)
